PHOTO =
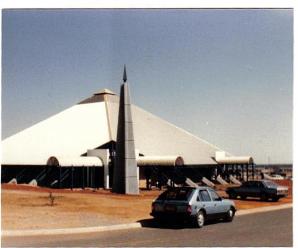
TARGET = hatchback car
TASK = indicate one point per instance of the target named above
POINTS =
(192, 204)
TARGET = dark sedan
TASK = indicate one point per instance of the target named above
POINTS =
(264, 189)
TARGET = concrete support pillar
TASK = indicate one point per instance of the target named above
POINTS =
(87, 176)
(138, 175)
(238, 171)
(91, 176)
(60, 177)
(72, 169)
(46, 177)
(106, 178)
(83, 176)
(216, 172)
(93, 179)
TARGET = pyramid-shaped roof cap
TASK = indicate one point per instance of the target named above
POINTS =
(99, 96)
(105, 91)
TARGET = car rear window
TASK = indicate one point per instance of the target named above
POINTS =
(270, 184)
(180, 194)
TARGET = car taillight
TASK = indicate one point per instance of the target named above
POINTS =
(152, 207)
(188, 210)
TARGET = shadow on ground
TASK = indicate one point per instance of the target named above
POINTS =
(252, 199)
(152, 223)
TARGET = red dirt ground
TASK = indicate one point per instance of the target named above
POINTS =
(26, 207)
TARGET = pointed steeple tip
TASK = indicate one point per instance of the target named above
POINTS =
(124, 74)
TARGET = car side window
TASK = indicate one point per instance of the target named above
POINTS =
(214, 195)
(245, 184)
(250, 184)
(198, 197)
(204, 196)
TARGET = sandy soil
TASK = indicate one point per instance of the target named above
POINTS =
(25, 207)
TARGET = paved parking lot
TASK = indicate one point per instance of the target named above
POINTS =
(272, 228)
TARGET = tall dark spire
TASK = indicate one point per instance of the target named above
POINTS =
(124, 74)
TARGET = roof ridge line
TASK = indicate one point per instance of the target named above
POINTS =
(108, 116)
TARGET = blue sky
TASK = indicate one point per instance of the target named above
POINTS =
(223, 75)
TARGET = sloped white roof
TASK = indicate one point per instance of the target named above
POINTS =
(86, 126)
(67, 134)
(157, 137)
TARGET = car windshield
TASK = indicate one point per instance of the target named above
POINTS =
(270, 184)
(180, 194)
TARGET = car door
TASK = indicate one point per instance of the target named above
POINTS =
(255, 189)
(245, 189)
(207, 203)
(219, 207)
(258, 189)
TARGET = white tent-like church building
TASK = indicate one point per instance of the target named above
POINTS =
(93, 123)
(81, 140)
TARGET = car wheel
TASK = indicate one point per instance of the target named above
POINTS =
(232, 195)
(264, 197)
(200, 219)
(275, 198)
(230, 215)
